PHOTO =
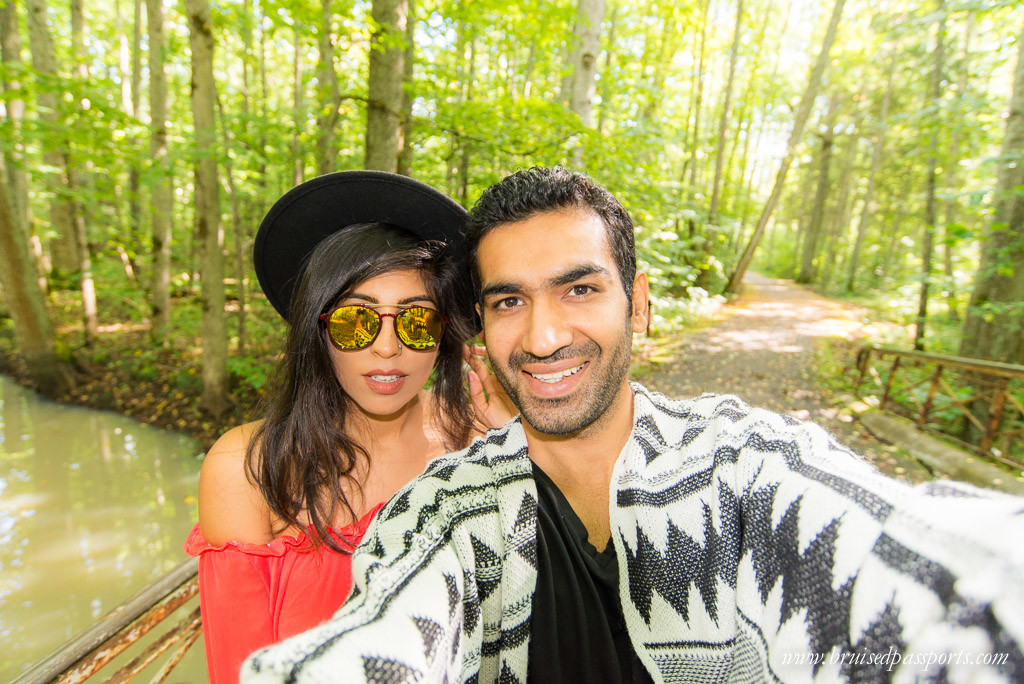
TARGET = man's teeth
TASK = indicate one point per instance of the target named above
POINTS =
(555, 377)
(385, 378)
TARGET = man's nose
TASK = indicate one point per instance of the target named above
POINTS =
(548, 330)
(387, 344)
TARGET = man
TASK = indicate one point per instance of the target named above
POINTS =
(611, 534)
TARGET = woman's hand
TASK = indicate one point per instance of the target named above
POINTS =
(492, 406)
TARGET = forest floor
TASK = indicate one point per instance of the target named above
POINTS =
(768, 347)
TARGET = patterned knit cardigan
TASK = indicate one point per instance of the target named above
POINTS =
(751, 547)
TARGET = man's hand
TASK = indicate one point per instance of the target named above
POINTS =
(492, 406)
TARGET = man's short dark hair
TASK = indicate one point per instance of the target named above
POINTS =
(529, 192)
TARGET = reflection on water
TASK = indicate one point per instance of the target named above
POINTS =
(93, 507)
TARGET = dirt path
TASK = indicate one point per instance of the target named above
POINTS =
(761, 347)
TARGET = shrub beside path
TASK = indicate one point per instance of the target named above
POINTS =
(761, 347)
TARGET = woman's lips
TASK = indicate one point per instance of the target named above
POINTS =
(384, 382)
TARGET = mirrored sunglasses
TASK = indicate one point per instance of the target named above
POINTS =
(354, 327)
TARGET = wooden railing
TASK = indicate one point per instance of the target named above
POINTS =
(978, 404)
(86, 654)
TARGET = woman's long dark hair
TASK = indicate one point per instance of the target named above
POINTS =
(300, 455)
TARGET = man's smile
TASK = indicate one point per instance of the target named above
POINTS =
(555, 376)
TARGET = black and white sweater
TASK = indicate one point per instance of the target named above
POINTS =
(751, 547)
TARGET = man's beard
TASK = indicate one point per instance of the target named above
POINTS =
(582, 407)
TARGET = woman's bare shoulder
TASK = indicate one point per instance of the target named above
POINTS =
(231, 508)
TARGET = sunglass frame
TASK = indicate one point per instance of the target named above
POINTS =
(325, 318)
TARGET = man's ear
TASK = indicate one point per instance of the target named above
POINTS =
(641, 303)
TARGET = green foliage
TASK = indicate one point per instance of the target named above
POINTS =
(248, 372)
(488, 98)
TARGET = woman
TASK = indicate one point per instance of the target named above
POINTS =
(378, 307)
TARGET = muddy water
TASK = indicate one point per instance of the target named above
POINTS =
(93, 507)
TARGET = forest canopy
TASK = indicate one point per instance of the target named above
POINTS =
(859, 147)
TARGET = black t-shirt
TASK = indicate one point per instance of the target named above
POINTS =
(577, 631)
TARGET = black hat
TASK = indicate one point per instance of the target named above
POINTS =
(310, 212)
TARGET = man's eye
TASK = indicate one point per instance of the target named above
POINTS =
(506, 303)
(580, 290)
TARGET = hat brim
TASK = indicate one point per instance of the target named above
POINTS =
(310, 212)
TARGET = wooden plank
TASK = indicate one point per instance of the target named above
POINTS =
(184, 629)
(52, 666)
(115, 645)
(1008, 370)
(176, 657)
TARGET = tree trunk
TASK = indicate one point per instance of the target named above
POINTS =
(803, 112)
(953, 175)
(711, 230)
(884, 258)
(384, 85)
(877, 145)
(609, 55)
(589, 15)
(930, 218)
(327, 89)
(210, 233)
(130, 68)
(32, 327)
(842, 216)
(723, 124)
(44, 61)
(467, 84)
(237, 228)
(994, 325)
(698, 100)
(17, 177)
(74, 182)
(408, 84)
(297, 47)
(814, 228)
(161, 194)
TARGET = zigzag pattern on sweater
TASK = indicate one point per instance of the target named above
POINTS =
(743, 537)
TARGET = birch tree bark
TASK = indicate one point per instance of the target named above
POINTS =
(209, 229)
(589, 15)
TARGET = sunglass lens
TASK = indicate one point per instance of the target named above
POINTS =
(354, 327)
(419, 327)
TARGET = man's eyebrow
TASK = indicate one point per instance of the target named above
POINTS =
(508, 287)
(501, 288)
(578, 273)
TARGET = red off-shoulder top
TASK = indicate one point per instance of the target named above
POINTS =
(253, 595)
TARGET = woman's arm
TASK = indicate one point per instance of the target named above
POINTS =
(230, 507)
(234, 591)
